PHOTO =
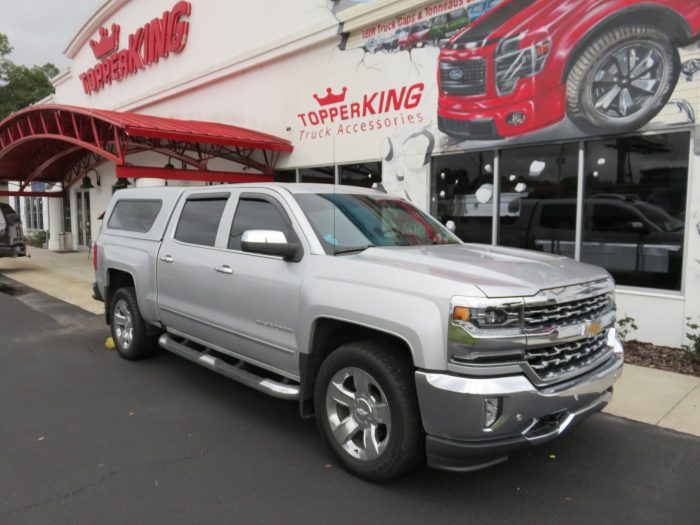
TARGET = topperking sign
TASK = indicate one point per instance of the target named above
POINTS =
(154, 41)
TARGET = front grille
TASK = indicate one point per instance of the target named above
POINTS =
(464, 77)
(566, 313)
(552, 362)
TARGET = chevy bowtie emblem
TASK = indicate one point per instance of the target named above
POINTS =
(593, 329)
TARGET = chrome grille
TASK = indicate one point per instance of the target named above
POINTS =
(553, 362)
(566, 313)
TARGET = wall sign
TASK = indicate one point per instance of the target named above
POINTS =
(154, 41)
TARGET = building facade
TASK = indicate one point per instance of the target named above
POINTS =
(562, 126)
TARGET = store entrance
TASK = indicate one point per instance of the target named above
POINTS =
(83, 216)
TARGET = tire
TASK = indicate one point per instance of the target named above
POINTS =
(129, 331)
(383, 435)
(599, 101)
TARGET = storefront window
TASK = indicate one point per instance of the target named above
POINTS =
(66, 215)
(462, 191)
(320, 175)
(286, 176)
(538, 198)
(364, 175)
(635, 208)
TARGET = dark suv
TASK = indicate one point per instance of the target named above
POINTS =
(11, 236)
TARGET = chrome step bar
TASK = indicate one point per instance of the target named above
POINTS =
(235, 372)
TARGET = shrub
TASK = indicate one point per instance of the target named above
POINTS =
(693, 336)
(36, 238)
(625, 326)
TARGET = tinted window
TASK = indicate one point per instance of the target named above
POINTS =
(364, 175)
(286, 176)
(257, 214)
(320, 175)
(558, 216)
(134, 216)
(199, 221)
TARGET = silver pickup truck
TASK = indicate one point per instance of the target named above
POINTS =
(405, 343)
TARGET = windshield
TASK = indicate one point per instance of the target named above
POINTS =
(360, 221)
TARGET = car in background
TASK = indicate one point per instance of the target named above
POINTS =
(444, 26)
(417, 36)
(479, 9)
(12, 242)
(391, 43)
(610, 66)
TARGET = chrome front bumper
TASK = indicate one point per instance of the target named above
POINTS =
(453, 410)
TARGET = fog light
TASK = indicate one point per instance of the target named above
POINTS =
(515, 119)
(492, 409)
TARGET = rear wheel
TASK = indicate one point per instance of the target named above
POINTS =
(129, 331)
(622, 80)
(367, 410)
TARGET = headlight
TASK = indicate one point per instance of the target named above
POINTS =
(514, 62)
(489, 317)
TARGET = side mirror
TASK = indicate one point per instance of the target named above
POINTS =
(270, 242)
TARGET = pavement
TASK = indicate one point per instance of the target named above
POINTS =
(643, 394)
(87, 437)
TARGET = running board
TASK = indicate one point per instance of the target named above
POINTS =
(236, 372)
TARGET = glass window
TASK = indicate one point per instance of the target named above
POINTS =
(286, 176)
(364, 175)
(462, 191)
(199, 221)
(636, 191)
(258, 214)
(347, 222)
(67, 228)
(534, 179)
(134, 216)
(320, 175)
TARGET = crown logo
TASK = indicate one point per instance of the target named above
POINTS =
(108, 43)
(330, 98)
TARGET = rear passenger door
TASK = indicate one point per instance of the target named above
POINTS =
(184, 264)
(257, 296)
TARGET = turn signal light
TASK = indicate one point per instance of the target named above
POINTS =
(460, 313)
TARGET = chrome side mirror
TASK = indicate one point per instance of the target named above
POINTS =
(270, 242)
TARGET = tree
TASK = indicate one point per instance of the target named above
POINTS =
(21, 86)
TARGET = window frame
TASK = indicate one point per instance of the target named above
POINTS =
(581, 215)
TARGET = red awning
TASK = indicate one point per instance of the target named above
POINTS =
(57, 144)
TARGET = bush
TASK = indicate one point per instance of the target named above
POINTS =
(693, 336)
(36, 238)
(625, 326)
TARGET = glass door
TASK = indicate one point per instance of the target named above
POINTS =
(83, 216)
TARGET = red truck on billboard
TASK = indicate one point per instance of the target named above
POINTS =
(609, 65)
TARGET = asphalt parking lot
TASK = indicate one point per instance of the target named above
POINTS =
(88, 438)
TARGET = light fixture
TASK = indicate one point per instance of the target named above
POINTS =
(98, 179)
(87, 183)
(121, 184)
(169, 165)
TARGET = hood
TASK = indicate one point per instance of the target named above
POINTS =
(495, 270)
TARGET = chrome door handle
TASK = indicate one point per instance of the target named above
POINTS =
(167, 258)
(226, 269)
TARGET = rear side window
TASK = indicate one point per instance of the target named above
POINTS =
(9, 214)
(257, 214)
(558, 216)
(134, 216)
(199, 221)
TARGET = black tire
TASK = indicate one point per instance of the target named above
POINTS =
(402, 439)
(140, 344)
(584, 87)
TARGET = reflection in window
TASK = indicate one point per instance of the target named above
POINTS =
(364, 175)
(538, 198)
(635, 208)
(285, 176)
(319, 175)
(462, 191)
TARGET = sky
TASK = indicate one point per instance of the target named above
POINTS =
(39, 30)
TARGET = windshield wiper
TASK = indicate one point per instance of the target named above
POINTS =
(350, 250)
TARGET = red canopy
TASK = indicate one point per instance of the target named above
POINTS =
(57, 144)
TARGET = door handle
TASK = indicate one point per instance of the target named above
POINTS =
(225, 269)
(167, 258)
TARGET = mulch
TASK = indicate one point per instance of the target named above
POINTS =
(662, 358)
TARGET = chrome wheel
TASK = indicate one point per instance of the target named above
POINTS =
(123, 324)
(628, 81)
(358, 413)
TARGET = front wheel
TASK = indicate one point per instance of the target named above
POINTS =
(367, 410)
(622, 80)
